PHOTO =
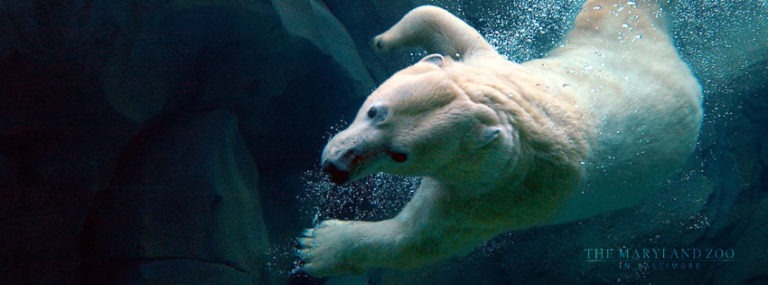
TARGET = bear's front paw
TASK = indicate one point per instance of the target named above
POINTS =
(327, 249)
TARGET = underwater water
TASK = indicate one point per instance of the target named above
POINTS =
(178, 142)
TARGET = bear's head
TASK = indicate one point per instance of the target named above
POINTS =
(419, 122)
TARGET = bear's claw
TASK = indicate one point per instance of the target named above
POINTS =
(322, 249)
(308, 232)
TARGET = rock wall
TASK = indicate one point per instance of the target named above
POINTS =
(184, 198)
(82, 82)
(132, 134)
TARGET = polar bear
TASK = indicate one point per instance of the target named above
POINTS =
(501, 146)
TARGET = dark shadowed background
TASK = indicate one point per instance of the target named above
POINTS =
(177, 142)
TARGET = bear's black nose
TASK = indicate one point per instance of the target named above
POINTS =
(337, 175)
(376, 42)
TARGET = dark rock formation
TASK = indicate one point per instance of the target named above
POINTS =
(183, 198)
(80, 78)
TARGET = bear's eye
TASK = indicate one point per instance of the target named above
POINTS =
(372, 112)
(377, 112)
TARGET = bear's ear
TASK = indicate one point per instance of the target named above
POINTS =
(488, 135)
(435, 58)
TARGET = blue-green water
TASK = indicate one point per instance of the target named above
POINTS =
(178, 142)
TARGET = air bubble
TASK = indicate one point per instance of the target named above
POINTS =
(375, 197)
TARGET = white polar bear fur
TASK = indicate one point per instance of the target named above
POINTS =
(588, 129)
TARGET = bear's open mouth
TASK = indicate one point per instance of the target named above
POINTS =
(337, 175)
(341, 173)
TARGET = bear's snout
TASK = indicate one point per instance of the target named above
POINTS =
(338, 165)
(336, 174)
